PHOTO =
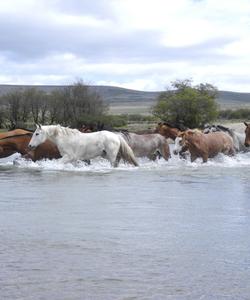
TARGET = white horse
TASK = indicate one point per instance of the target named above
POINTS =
(74, 145)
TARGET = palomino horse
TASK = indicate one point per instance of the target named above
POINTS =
(238, 137)
(19, 143)
(204, 145)
(74, 145)
(247, 132)
(147, 145)
(168, 130)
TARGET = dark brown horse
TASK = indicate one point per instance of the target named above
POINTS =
(19, 143)
(247, 132)
(168, 130)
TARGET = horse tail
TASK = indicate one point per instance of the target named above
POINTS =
(126, 152)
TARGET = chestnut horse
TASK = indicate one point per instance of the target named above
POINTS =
(238, 137)
(8, 150)
(19, 143)
(204, 145)
(14, 132)
(168, 130)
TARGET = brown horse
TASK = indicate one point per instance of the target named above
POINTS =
(247, 132)
(13, 132)
(19, 143)
(9, 151)
(168, 130)
(204, 145)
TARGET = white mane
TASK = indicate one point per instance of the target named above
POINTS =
(59, 130)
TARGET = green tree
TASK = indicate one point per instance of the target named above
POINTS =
(191, 105)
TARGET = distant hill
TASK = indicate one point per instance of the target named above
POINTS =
(123, 100)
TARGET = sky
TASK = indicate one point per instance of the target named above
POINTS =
(136, 44)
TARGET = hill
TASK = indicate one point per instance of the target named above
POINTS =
(123, 100)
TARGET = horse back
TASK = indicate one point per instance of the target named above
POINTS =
(218, 142)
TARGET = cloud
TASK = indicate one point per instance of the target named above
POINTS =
(133, 43)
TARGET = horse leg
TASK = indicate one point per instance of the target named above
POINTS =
(204, 158)
(118, 158)
(113, 158)
(193, 157)
(66, 159)
(165, 152)
(153, 156)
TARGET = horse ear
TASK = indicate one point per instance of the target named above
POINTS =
(38, 126)
(246, 124)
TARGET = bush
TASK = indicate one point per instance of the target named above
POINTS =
(192, 106)
(237, 114)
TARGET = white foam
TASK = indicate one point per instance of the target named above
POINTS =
(101, 165)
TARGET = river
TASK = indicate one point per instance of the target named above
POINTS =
(163, 230)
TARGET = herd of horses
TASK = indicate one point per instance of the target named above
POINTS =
(70, 145)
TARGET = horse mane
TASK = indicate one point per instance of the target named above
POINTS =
(17, 135)
(125, 134)
(223, 128)
(60, 129)
(179, 126)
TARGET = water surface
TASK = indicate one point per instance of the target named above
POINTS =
(164, 230)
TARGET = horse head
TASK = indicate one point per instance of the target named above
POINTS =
(183, 139)
(38, 137)
(167, 130)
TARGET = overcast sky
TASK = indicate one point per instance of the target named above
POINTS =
(138, 44)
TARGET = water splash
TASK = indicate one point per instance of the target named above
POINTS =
(240, 160)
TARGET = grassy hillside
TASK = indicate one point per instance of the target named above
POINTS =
(123, 100)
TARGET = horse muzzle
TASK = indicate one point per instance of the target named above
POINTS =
(31, 147)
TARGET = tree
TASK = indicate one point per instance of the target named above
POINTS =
(13, 101)
(191, 105)
(70, 105)
(37, 102)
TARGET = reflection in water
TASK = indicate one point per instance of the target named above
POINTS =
(165, 230)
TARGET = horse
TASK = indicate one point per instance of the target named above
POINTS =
(247, 132)
(19, 144)
(169, 130)
(14, 132)
(8, 151)
(238, 137)
(74, 145)
(204, 145)
(147, 145)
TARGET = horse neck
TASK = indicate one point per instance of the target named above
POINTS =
(51, 134)
(173, 133)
